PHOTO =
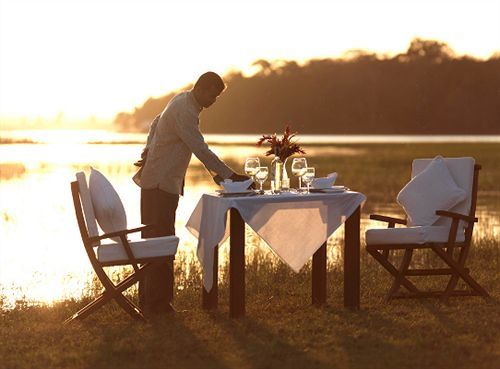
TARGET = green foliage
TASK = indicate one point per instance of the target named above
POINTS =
(426, 90)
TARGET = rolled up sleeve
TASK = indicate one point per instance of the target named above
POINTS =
(187, 127)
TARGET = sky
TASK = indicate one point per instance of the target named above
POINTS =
(95, 58)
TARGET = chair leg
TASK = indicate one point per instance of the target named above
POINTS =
(405, 263)
(129, 307)
(113, 292)
(391, 269)
(90, 308)
(461, 272)
(452, 283)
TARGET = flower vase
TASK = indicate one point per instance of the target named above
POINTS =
(276, 174)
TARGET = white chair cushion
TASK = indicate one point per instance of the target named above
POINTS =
(147, 248)
(108, 207)
(88, 210)
(410, 235)
(462, 171)
(432, 189)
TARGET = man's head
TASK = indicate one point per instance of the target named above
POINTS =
(208, 87)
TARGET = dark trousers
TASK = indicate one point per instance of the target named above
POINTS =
(156, 289)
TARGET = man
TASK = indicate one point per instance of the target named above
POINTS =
(173, 137)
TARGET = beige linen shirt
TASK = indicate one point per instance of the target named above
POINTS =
(172, 140)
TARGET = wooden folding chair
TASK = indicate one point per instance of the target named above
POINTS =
(144, 252)
(453, 231)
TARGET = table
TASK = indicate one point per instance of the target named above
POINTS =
(316, 215)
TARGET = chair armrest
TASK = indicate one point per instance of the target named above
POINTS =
(453, 215)
(120, 233)
(387, 219)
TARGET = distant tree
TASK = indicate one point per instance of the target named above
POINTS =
(266, 67)
(426, 90)
(429, 50)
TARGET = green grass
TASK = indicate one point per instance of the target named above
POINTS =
(282, 329)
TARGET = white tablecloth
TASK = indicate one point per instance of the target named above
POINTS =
(293, 225)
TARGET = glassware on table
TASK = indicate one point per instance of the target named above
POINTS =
(285, 184)
(299, 166)
(251, 165)
(261, 176)
(308, 177)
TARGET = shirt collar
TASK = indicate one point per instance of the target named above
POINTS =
(195, 103)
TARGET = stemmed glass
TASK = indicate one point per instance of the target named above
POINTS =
(261, 176)
(308, 177)
(299, 166)
(251, 166)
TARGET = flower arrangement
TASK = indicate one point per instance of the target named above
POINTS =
(282, 147)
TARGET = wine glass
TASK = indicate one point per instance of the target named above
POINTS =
(299, 166)
(251, 165)
(261, 176)
(308, 176)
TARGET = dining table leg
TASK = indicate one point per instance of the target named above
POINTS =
(351, 261)
(319, 276)
(236, 265)
(210, 299)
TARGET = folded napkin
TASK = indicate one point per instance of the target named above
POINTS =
(324, 182)
(230, 186)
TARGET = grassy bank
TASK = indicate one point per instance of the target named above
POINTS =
(281, 329)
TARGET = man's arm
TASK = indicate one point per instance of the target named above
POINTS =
(186, 125)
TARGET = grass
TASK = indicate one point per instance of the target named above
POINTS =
(282, 329)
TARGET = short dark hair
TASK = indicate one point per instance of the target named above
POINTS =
(210, 79)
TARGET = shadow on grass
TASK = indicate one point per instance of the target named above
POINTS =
(165, 341)
(261, 346)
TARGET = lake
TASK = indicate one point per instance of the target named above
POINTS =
(42, 259)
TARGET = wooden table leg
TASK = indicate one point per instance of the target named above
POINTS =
(236, 265)
(210, 299)
(351, 261)
(319, 276)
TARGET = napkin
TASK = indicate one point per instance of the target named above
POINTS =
(230, 186)
(324, 182)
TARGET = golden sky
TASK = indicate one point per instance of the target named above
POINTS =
(98, 57)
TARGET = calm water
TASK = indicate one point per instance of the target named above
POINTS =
(42, 259)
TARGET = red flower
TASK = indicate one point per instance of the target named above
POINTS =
(283, 147)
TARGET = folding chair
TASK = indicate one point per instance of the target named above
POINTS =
(123, 252)
(452, 231)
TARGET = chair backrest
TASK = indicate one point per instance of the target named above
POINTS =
(88, 209)
(462, 171)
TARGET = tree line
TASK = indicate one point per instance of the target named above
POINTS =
(426, 90)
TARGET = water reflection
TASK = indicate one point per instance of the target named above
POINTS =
(41, 254)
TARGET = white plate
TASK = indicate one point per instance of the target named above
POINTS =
(329, 189)
(223, 192)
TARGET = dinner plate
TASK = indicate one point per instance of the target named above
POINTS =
(239, 193)
(329, 189)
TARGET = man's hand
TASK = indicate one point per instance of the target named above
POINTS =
(218, 179)
(142, 160)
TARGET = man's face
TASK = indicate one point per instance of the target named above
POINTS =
(209, 96)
